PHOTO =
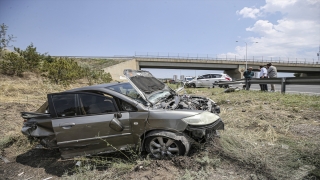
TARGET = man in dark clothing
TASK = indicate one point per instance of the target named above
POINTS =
(248, 74)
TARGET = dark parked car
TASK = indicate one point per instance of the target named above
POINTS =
(115, 116)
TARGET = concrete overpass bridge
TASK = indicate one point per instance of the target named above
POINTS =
(232, 67)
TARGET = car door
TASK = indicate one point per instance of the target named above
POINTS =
(201, 81)
(213, 79)
(205, 80)
(83, 123)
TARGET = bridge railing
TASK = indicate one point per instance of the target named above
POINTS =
(250, 59)
(253, 59)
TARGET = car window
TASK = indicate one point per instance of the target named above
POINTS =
(127, 90)
(125, 106)
(206, 76)
(95, 104)
(216, 75)
(64, 104)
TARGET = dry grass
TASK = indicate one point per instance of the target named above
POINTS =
(273, 134)
(269, 134)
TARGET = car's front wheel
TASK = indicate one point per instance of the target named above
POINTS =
(163, 147)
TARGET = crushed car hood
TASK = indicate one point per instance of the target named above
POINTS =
(145, 83)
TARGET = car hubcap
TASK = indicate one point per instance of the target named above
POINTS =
(163, 147)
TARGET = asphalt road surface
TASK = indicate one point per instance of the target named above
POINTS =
(305, 89)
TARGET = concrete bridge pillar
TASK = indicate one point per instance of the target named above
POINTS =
(236, 73)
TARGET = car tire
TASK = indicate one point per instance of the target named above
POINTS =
(193, 85)
(161, 147)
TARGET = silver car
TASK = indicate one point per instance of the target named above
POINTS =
(208, 80)
(109, 117)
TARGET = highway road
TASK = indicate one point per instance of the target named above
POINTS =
(305, 89)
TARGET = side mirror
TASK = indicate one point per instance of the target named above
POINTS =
(118, 115)
(116, 125)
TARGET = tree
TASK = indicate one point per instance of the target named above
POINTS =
(4, 39)
(62, 71)
(31, 56)
(12, 64)
(96, 76)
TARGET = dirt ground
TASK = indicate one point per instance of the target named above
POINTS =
(22, 161)
(42, 164)
(32, 163)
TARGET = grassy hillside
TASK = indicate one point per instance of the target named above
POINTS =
(266, 136)
(98, 64)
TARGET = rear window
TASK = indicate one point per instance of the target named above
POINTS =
(65, 104)
(216, 75)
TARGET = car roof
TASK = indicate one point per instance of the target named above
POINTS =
(215, 73)
(96, 87)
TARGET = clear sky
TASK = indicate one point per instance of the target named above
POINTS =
(282, 28)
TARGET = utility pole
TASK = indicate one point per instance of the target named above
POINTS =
(318, 54)
(247, 54)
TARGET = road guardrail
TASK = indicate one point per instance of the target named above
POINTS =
(315, 80)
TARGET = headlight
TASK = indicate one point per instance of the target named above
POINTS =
(201, 119)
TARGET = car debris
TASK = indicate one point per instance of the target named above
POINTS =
(110, 117)
(5, 160)
(78, 163)
(231, 90)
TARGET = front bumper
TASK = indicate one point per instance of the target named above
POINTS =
(203, 132)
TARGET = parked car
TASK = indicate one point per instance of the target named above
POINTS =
(208, 80)
(172, 81)
(115, 116)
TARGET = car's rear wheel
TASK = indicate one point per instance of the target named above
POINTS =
(162, 147)
(193, 85)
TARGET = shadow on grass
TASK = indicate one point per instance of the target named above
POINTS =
(51, 161)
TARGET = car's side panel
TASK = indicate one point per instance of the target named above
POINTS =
(169, 119)
(139, 124)
(90, 134)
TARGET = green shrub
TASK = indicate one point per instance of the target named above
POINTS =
(62, 71)
(12, 64)
(31, 57)
(95, 76)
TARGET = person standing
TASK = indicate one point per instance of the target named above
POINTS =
(248, 74)
(272, 73)
(263, 74)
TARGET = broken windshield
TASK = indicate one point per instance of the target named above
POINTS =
(127, 90)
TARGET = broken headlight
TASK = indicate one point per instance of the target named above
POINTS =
(201, 119)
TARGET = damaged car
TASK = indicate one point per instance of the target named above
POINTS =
(104, 118)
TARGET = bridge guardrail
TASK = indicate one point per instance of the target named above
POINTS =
(283, 81)
(231, 59)
(253, 59)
